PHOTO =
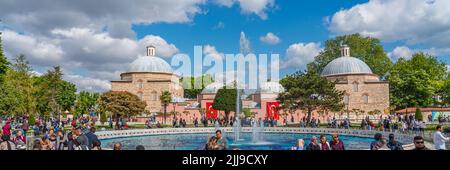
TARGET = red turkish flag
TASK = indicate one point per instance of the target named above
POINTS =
(210, 112)
(272, 110)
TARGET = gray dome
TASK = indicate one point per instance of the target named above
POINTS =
(212, 88)
(150, 64)
(346, 65)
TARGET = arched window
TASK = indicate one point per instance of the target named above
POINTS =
(355, 86)
(154, 96)
(366, 98)
(346, 99)
(140, 84)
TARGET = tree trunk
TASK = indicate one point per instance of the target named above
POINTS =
(308, 119)
(227, 114)
(165, 109)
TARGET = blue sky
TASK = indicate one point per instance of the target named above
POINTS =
(95, 41)
(291, 21)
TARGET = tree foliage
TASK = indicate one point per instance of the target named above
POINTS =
(226, 100)
(53, 94)
(416, 82)
(86, 102)
(189, 84)
(418, 114)
(367, 49)
(121, 104)
(17, 90)
(4, 64)
(309, 92)
(165, 99)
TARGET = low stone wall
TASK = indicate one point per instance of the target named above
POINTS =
(403, 138)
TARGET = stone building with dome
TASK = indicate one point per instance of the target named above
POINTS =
(363, 89)
(147, 77)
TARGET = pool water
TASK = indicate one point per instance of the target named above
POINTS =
(270, 141)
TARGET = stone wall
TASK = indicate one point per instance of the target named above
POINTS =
(153, 84)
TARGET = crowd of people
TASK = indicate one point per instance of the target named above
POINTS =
(49, 134)
(321, 144)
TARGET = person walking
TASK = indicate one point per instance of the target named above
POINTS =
(439, 139)
(7, 128)
(25, 127)
(92, 137)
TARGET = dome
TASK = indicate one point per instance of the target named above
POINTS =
(212, 88)
(346, 65)
(271, 87)
(150, 64)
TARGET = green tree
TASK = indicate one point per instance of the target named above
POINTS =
(416, 82)
(367, 49)
(86, 102)
(121, 104)
(309, 92)
(53, 94)
(18, 88)
(189, 84)
(247, 112)
(418, 114)
(445, 92)
(103, 118)
(3, 62)
(226, 100)
(31, 119)
(165, 99)
(66, 95)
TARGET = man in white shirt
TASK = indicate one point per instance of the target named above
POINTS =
(439, 139)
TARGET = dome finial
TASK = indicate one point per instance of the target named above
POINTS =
(345, 50)
(151, 50)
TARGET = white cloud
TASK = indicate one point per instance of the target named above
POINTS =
(407, 53)
(413, 21)
(97, 57)
(270, 38)
(300, 54)
(211, 50)
(258, 7)
(117, 15)
(163, 49)
(88, 84)
(43, 52)
(401, 52)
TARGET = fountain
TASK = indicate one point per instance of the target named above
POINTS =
(237, 124)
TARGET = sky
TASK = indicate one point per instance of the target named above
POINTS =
(95, 41)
